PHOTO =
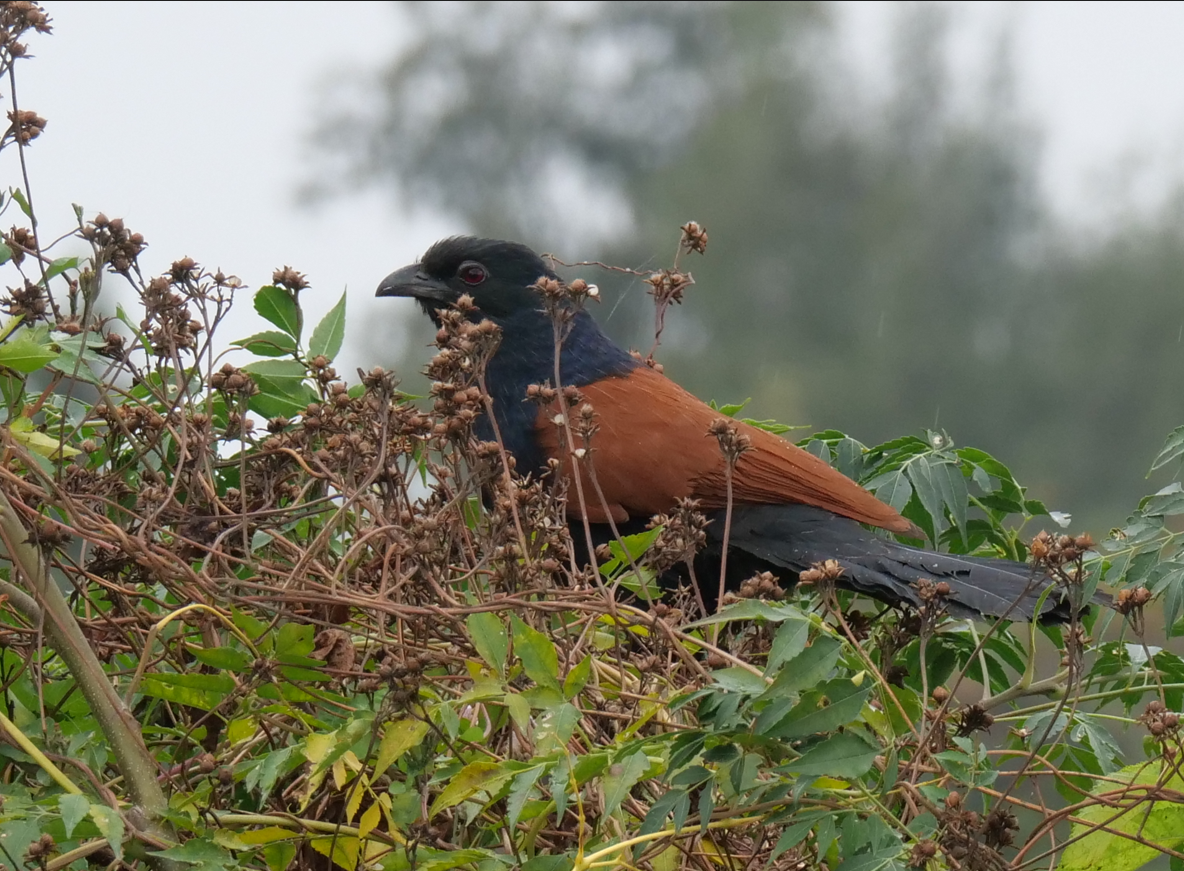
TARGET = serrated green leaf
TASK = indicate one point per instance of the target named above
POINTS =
(893, 488)
(474, 777)
(489, 636)
(110, 826)
(540, 661)
(844, 756)
(739, 680)
(269, 343)
(789, 641)
(520, 789)
(1172, 449)
(277, 307)
(289, 375)
(954, 493)
(398, 737)
(835, 704)
(921, 477)
(621, 777)
(73, 809)
(1167, 502)
(577, 678)
(24, 354)
(327, 337)
(807, 670)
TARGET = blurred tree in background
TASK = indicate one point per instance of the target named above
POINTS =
(877, 265)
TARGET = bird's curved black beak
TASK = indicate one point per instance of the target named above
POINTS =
(414, 282)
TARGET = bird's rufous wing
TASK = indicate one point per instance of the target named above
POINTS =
(652, 448)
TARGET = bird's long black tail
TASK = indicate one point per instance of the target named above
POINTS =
(788, 539)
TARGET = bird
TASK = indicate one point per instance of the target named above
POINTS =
(789, 510)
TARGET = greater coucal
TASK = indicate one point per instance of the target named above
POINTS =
(790, 509)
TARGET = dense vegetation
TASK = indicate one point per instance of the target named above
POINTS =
(254, 614)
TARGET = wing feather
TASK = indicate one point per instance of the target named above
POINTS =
(653, 448)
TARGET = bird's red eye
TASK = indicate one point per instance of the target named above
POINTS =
(472, 274)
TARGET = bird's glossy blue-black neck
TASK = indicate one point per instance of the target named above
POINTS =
(526, 356)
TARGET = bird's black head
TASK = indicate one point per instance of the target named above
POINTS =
(496, 274)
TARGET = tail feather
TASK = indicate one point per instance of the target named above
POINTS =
(790, 538)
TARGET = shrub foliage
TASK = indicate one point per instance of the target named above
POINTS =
(255, 615)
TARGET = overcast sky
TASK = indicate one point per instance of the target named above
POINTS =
(187, 119)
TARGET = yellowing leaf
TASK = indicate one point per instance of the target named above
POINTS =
(370, 820)
(473, 777)
(40, 443)
(397, 738)
(266, 835)
(1159, 822)
(317, 746)
(241, 729)
(342, 849)
(356, 794)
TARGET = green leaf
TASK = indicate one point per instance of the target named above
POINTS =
(269, 343)
(844, 756)
(19, 196)
(893, 488)
(621, 777)
(537, 652)
(41, 444)
(287, 376)
(807, 670)
(555, 726)
(24, 354)
(272, 402)
(488, 633)
(793, 835)
(474, 777)
(110, 826)
(954, 492)
(750, 609)
(520, 790)
(282, 388)
(278, 307)
(834, 704)
(329, 334)
(59, 266)
(1172, 450)
(1157, 822)
(202, 691)
(921, 477)
(262, 776)
(732, 409)
(577, 678)
(739, 680)
(5, 253)
(1165, 503)
(295, 640)
(789, 641)
(223, 658)
(74, 809)
(200, 852)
